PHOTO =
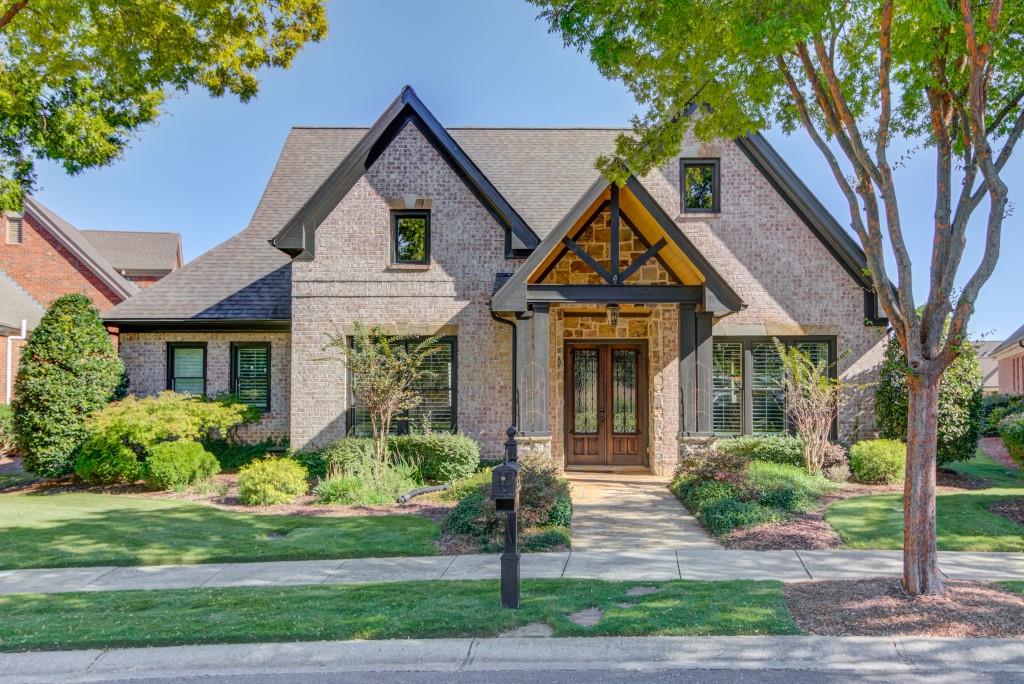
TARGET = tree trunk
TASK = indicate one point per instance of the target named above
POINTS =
(920, 556)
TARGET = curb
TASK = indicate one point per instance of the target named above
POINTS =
(824, 654)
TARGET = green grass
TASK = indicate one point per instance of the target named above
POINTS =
(60, 530)
(964, 523)
(1016, 587)
(383, 611)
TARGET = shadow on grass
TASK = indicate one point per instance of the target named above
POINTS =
(99, 529)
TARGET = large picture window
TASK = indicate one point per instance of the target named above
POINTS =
(186, 367)
(250, 373)
(438, 392)
(747, 395)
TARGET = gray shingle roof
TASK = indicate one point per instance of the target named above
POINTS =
(541, 172)
(133, 250)
(17, 305)
(1015, 337)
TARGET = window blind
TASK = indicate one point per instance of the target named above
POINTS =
(252, 375)
(766, 398)
(188, 370)
(727, 388)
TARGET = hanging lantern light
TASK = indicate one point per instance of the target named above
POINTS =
(613, 314)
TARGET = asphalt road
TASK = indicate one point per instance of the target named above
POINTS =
(675, 676)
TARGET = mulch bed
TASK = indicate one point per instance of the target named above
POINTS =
(879, 607)
(1011, 509)
(994, 447)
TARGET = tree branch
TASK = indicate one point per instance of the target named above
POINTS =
(11, 12)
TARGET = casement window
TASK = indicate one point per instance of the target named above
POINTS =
(438, 392)
(700, 185)
(15, 234)
(186, 367)
(250, 373)
(410, 237)
(747, 374)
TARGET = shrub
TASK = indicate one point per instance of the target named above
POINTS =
(1011, 430)
(6, 429)
(959, 402)
(697, 495)
(725, 515)
(878, 460)
(176, 465)
(462, 519)
(272, 481)
(339, 454)
(774, 449)
(561, 513)
(100, 461)
(785, 487)
(233, 455)
(994, 416)
(68, 369)
(363, 483)
(544, 539)
(439, 457)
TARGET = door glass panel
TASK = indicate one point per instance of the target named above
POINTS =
(584, 371)
(624, 390)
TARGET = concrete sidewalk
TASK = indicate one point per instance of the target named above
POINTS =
(653, 565)
(880, 656)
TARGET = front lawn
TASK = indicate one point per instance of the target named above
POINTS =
(385, 611)
(80, 529)
(964, 521)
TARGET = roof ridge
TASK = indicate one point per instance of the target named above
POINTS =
(314, 127)
(129, 230)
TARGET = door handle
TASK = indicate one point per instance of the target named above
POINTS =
(600, 415)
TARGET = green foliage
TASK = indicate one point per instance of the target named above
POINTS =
(177, 465)
(68, 369)
(548, 538)
(439, 457)
(698, 495)
(1011, 430)
(812, 397)
(727, 514)
(232, 455)
(81, 79)
(560, 514)
(6, 429)
(100, 461)
(785, 487)
(360, 482)
(337, 455)
(997, 407)
(142, 423)
(272, 481)
(959, 402)
(774, 449)
(878, 460)
(463, 518)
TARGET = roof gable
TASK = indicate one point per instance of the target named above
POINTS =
(296, 237)
(134, 250)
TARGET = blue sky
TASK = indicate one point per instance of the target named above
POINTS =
(200, 171)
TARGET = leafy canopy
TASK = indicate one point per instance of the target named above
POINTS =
(79, 78)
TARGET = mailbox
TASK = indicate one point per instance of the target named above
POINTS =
(505, 486)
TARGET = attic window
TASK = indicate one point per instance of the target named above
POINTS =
(700, 185)
(14, 230)
(411, 237)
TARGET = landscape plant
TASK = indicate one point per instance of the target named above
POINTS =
(6, 430)
(272, 481)
(878, 461)
(812, 399)
(360, 483)
(177, 465)
(996, 407)
(68, 369)
(870, 83)
(101, 461)
(1011, 430)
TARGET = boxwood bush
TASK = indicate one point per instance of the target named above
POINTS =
(1011, 430)
(727, 514)
(878, 461)
(102, 461)
(271, 481)
(177, 465)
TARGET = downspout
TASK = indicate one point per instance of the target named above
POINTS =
(515, 374)
(10, 346)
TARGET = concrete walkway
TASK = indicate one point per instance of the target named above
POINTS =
(613, 512)
(749, 658)
(645, 565)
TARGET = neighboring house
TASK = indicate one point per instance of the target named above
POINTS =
(989, 365)
(43, 256)
(616, 327)
(1010, 356)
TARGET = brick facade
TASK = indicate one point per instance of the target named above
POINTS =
(1011, 374)
(145, 356)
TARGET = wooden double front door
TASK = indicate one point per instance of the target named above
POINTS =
(606, 404)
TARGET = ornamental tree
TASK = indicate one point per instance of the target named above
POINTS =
(80, 78)
(68, 369)
(855, 75)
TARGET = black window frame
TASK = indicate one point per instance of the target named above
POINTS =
(402, 422)
(396, 216)
(746, 398)
(233, 378)
(716, 184)
(171, 347)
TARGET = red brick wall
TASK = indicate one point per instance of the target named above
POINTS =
(47, 270)
(144, 281)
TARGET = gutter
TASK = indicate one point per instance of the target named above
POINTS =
(10, 346)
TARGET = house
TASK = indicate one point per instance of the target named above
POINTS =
(1010, 357)
(615, 326)
(43, 256)
(989, 365)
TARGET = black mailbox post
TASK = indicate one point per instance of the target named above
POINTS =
(505, 483)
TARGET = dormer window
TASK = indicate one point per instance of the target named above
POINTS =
(699, 179)
(410, 237)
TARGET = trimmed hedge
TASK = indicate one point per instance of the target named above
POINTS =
(102, 461)
(878, 461)
(785, 487)
(272, 481)
(1011, 430)
(439, 457)
(774, 449)
(177, 465)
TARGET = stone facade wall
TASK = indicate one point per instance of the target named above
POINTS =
(352, 279)
(145, 356)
